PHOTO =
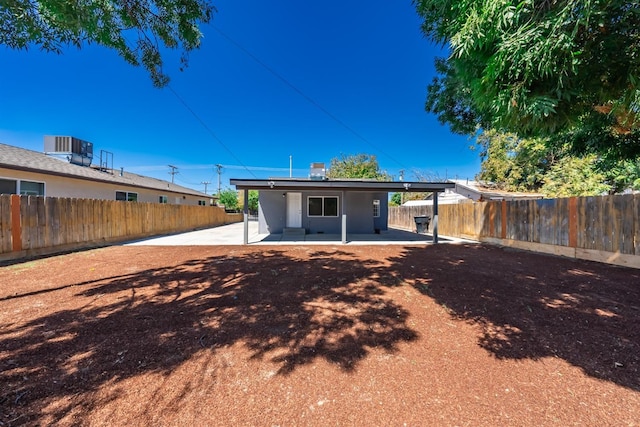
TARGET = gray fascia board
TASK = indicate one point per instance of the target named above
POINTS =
(395, 186)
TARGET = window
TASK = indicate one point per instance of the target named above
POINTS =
(163, 199)
(8, 186)
(126, 196)
(202, 203)
(25, 188)
(376, 208)
(323, 206)
(30, 188)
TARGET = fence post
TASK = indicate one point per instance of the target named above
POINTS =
(573, 222)
(16, 226)
(503, 222)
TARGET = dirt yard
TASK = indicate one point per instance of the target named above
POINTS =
(450, 335)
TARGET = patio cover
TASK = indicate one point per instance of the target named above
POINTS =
(344, 185)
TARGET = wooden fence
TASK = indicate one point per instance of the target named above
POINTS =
(603, 228)
(34, 225)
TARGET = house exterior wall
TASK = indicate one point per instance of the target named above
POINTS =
(382, 222)
(272, 213)
(60, 186)
(359, 208)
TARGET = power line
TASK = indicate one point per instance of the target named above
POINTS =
(305, 96)
(208, 129)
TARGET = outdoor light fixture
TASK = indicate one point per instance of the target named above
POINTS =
(406, 185)
(284, 194)
(271, 184)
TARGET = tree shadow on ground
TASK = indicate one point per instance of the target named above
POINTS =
(286, 311)
(532, 306)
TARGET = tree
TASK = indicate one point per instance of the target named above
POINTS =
(520, 164)
(573, 176)
(136, 29)
(513, 163)
(396, 199)
(357, 166)
(253, 200)
(229, 199)
(537, 68)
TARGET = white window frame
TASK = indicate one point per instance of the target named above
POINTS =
(130, 196)
(163, 199)
(323, 215)
(22, 193)
(18, 186)
(376, 208)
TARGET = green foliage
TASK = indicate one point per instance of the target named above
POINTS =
(253, 200)
(573, 176)
(136, 29)
(515, 164)
(396, 199)
(621, 176)
(229, 199)
(536, 68)
(363, 166)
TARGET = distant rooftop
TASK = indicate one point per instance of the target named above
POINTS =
(482, 190)
(17, 158)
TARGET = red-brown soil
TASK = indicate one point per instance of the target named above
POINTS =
(318, 335)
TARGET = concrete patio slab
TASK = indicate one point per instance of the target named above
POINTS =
(232, 234)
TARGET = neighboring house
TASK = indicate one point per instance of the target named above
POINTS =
(467, 191)
(29, 172)
(449, 197)
(480, 191)
(327, 206)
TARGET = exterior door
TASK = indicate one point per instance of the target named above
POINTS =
(294, 210)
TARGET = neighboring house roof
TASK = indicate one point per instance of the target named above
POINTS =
(292, 184)
(32, 161)
(449, 197)
(478, 190)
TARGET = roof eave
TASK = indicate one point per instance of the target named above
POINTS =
(338, 185)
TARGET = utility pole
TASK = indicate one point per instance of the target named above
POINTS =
(173, 172)
(401, 193)
(205, 185)
(219, 168)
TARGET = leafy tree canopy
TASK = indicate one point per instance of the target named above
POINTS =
(136, 29)
(515, 164)
(229, 199)
(573, 176)
(548, 166)
(538, 67)
(357, 166)
(253, 200)
(396, 199)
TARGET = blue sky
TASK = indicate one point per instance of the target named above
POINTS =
(350, 77)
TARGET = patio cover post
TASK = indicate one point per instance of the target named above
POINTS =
(435, 217)
(344, 219)
(246, 216)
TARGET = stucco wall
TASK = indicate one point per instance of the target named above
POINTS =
(359, 208)
(59, 186)
(326, 225)
(271, 212)
(382, 222)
